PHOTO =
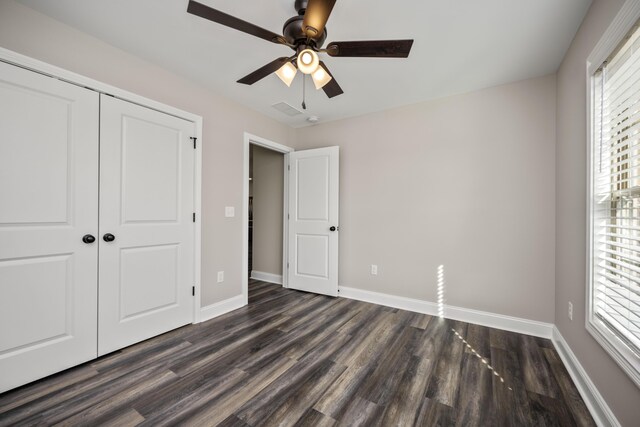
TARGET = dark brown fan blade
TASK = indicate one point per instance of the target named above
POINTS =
(332, 88)
(214, 15)
(371, 48)
(263, 72)
(316, 16)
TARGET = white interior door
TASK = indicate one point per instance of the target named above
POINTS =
(313, 220)
(48, 202)
(146, 204)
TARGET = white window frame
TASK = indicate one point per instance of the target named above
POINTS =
(623, 23)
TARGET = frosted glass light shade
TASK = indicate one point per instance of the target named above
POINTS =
(320, 78)
(286, 73)
(308, 61)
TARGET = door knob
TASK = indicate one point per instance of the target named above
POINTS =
(109, 237)
(88, 238)
(333, 228)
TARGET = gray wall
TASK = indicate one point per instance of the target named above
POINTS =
(618, 390)
(467, 182)
(268, 190)
(30, 33)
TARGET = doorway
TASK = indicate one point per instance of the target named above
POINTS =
(266, 210)
(278, 154)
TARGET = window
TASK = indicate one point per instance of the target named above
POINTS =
(614, 279)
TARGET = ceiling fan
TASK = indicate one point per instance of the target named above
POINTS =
(305, 34)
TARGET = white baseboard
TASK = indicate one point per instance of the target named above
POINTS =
(266, 277)
(492, 320)
(599, 409)
(222, 307)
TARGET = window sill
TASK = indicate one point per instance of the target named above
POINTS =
(623, 355)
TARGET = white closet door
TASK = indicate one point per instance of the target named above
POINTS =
(146, 204)
(48, 202)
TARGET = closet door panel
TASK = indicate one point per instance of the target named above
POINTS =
(48, 202)
(146, 203)
(150, 172)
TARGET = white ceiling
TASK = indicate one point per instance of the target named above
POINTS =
(460, 46)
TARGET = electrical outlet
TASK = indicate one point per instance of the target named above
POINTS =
(229, 211)
(374, 269)
(220, 276)
(570, 312)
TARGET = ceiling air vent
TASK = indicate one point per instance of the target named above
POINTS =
(287, 109)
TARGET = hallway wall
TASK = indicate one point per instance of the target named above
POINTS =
(268, 182)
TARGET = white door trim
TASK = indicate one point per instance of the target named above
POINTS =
(38, 66)
(262, 142)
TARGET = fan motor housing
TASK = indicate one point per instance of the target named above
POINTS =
(301, 6)
(292, 31)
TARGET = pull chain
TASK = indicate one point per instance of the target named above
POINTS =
(304, 80)
(304, 84)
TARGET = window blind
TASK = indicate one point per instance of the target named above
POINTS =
(616, 194)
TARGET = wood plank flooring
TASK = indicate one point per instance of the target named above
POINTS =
(298, 359)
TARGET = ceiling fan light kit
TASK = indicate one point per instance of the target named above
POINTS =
(308, 61)
(305, 34)
(287, 73)
(320, 78)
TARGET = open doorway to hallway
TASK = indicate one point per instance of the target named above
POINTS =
(266, 198)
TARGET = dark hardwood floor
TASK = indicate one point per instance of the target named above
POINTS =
(293, 358)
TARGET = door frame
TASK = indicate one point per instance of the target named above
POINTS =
(249, 140)
(26, 62)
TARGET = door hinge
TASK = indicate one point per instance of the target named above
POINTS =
(287, 265)
(193, 291)
(194, 139)
(288, 167)
(194, 217)
(288, 217)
